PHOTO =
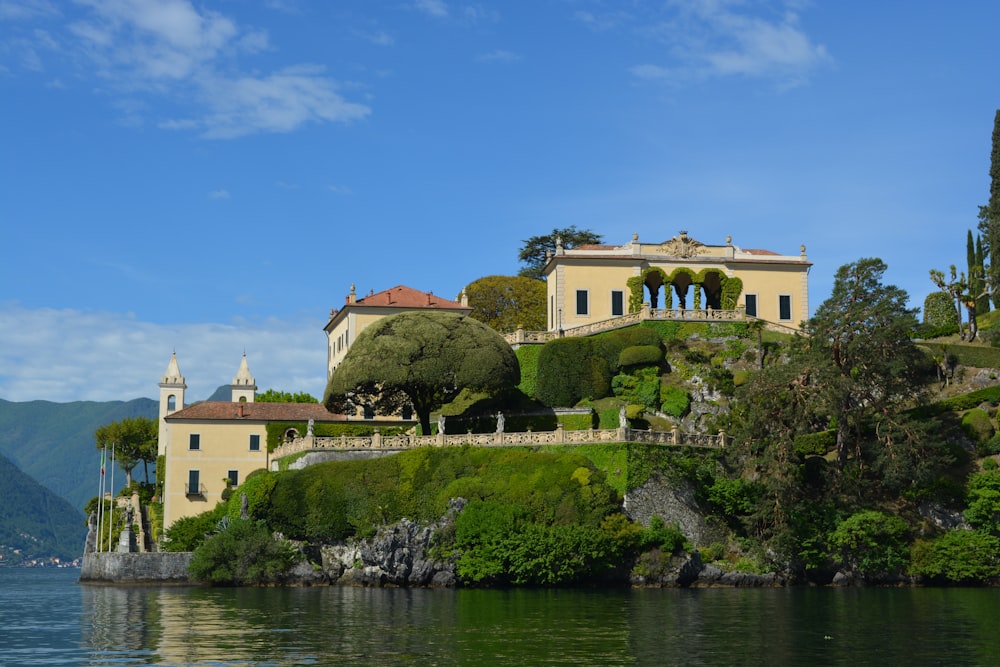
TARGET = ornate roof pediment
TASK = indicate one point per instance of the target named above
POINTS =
(682, 246)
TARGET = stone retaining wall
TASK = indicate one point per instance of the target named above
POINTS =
(135, 568)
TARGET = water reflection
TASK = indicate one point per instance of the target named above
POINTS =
(353, 626)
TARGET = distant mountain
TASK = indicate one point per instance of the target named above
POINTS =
(34, 522)
(54, 442)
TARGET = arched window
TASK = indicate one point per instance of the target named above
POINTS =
(171, 402)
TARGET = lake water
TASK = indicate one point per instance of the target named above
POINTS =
(46, 618)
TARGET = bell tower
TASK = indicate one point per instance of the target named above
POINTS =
(244, 386)
(171, 400)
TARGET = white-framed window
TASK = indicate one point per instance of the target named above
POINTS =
(785, 307)
(751, 304)
(617, 303)
(254, 443)
(582, 302)
(194, 441)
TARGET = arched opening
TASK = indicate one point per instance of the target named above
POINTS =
(653, 282)
(712, 286)
(243, 399)
(171, 403)
(291, 433)
(681, 282)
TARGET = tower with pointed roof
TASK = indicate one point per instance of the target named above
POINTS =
(171, 399)
(244, 386)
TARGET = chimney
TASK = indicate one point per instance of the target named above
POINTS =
(239, 409)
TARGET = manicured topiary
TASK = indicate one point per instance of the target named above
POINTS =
(978, 425)
(569, 371)
(640, 355)
(674, 401)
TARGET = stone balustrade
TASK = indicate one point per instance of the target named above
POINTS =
(522, 337)
(560, 436)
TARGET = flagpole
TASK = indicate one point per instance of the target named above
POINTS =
(111, 510)
(100, 502)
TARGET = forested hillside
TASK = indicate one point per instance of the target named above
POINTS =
(34, 522)
(54, 442)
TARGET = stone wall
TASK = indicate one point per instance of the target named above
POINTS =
(135, 568)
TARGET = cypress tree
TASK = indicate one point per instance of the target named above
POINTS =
(989, 216)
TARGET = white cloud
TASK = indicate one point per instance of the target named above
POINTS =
(20, 10)
(219, 194)
(433, 7)
(718, 38)
(70, 355)
(281, 102)
(179, 51)
(339, 189)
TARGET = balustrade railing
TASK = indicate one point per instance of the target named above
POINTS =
(522, 337)
(560, 436)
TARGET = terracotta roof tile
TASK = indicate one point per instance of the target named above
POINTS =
(271, 412)
(407, 297)
(751, 251)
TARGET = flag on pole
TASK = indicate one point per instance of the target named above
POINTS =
(102, 463)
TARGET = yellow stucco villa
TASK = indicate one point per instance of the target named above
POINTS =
(678, 278)
(212, 446)
(358, 313)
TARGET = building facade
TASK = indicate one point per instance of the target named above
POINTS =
(209, 448)
(592, 283)
(358, 313)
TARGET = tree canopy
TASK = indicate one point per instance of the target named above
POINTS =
(532, 254)
(866, 362)
(276, 396)
(505, 303)
(423, 357)
(133, 440)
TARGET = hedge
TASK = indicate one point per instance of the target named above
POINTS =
(569, 370)
(640, 355)
(276, 430)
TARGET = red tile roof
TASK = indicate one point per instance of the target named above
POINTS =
(270, 412)
(406, 297)
(751, 251)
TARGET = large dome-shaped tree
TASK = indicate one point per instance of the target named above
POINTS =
(423, 357)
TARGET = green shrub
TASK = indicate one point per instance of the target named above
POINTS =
(940, 310)
(610, 345)
(978, 425)
(871, 543)
(640, 355)
(675, 401)
(244, 553)
(569, 371)
(815, 444)
(990, 464)
(527, 357)
(957, 556)
(990, 447)
(667, 538)
(733, 498)
(188, 533)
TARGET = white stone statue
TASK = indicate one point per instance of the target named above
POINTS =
(309, 428)
(499, 422)
(440, 424)
(622, 419)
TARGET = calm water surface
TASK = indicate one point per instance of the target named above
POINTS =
(46, 618)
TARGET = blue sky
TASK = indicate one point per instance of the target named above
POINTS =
(212, 176)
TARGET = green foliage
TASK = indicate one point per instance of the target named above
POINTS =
(133, 440)
(506, 303)
(527, 358)
(959, 403)
(640, 355)
(243, 554)
(816, 444)
(610, 345)
(642, 387)
(532, 254)
(570, 371)
(978, 426)
(860, 347)
(733, 497)
(675, 401)
(336, 500)
(871, 543)
(731, 290)
(425, 357)
(957, 556)
(667, 538)
(276, 396)
(983, 501)
(939, 311)
(188, 533)
(499, 544)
